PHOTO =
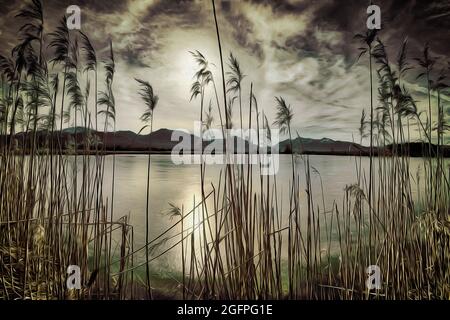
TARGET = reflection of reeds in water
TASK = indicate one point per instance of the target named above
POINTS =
(235, 242)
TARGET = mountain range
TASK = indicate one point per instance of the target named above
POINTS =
(160, 141)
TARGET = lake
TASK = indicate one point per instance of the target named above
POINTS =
(181, 186)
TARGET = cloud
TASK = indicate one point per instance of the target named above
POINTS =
(302, 50)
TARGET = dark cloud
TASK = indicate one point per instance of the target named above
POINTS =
(98, 6)
(242, 28)
(242, 33)
(303, 44)
(135, 57)
(421, 21)
(283, 6)
(179, 13)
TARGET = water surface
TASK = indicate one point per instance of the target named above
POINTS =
(181, 186)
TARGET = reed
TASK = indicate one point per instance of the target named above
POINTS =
(52, 209)
(377, 223)
(151, 100)
(239, 240)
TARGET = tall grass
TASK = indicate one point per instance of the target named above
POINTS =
(151, 100)
(239, 240)
(242, 241)
(49, 218)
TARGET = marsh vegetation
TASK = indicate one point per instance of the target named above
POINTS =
(238, 241)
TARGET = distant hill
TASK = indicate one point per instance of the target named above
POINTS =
(322, 146)
(332, 147)
(160, 142)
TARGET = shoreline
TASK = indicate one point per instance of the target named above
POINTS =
(167, 152)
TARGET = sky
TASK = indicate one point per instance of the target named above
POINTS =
(302, 50)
